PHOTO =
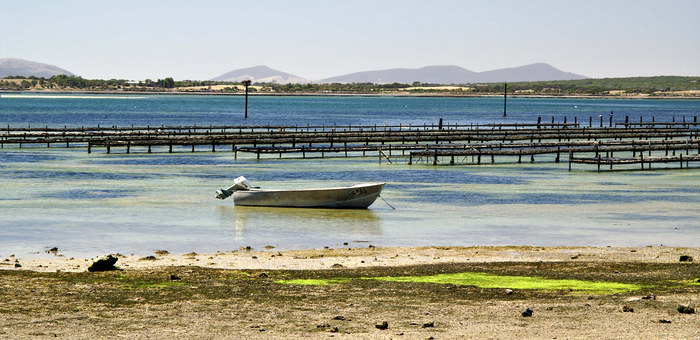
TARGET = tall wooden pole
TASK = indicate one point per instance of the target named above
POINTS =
(246, 83)
(505, 98)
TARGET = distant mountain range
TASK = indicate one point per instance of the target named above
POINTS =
(26, 68)
(261, 74)
(429, 74)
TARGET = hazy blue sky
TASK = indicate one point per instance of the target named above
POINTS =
(318, 39)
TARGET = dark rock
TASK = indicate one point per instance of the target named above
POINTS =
(148, 258)
(627, 309)
(248, 248)
(337, 265)
(664, 321)
(333, 330)
(428, 325)
(686, 309)
(591, 298)
(17, 265)
(105, 263)
(345, 243)
(527, 312)
(53, 250)
(339, 317)
(263, 275)
(383, 325)
(323, 325)
(685, 258)
(175, 278)
(371, 246)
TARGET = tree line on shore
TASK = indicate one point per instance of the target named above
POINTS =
(654, 86)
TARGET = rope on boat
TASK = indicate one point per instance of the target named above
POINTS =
(387, 203)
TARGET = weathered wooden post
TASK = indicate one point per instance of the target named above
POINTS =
(505, 98)
(246, 83)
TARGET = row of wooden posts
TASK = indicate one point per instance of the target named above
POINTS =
(430, 143)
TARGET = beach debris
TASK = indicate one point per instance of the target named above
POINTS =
(105, 263)
(685, 258)
(337, 265)
(428, 324)
(162, 252)
(686, 309)
(384, 325)
(527, 312)
(148, 258)
(664, 321)
(508, 291)
(174, 277)
(627, 309)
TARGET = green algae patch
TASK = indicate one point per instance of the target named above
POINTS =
(695, 282)
(314, 282)
(483, 280)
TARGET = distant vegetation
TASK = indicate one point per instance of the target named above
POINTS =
(647, 86)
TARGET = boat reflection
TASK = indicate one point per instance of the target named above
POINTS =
(300, 221)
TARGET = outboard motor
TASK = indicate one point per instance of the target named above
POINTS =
(240, 183)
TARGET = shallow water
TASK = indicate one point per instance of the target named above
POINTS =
(92, 204)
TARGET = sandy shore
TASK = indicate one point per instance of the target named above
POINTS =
(369, 256)
(242, 294)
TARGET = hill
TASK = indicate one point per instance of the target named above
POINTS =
(261, 74)
(26, 68)
(456, 75)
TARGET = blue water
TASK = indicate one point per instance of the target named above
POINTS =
(156, 110)
(92, 204)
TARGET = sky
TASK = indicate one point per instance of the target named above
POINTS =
(200, 40)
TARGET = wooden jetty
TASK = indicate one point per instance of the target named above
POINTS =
(633, 142)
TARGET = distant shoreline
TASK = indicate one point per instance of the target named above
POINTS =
(413, 95)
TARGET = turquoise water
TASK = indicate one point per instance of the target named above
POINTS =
(91, 204)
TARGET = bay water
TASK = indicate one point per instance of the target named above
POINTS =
(98, 203)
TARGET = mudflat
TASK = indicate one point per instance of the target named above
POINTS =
(368, 292)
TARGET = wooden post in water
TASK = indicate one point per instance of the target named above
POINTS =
(246, 83)
(505, 98)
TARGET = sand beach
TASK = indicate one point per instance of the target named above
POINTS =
(344, 293)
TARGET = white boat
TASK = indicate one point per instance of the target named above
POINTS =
(358, 196)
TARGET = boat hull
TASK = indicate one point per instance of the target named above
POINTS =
(358, 196)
